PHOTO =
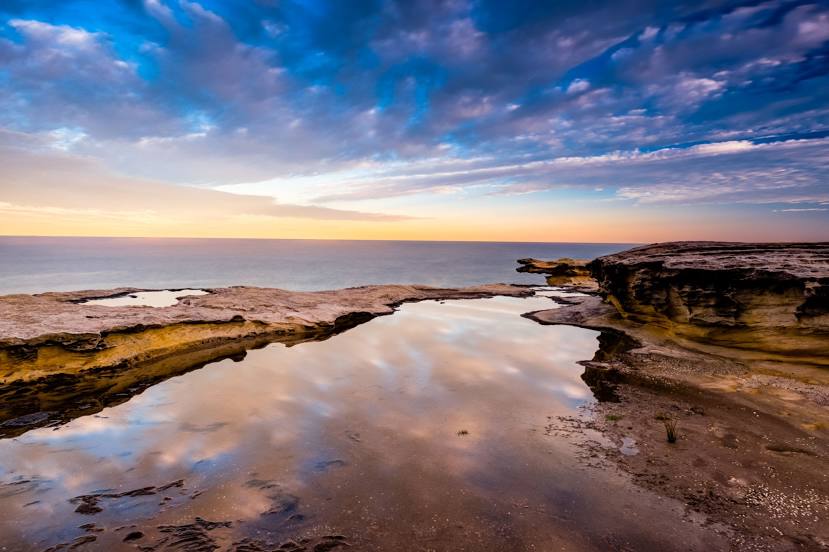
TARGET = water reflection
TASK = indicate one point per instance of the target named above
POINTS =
(422, 430)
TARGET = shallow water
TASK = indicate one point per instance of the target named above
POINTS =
(426, 430)
(34, 265)
(161, 298)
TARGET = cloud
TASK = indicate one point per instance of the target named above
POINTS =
(40, 179)
(733, 171)
(63, 35)
(657, 103)
(578, 85)
(805, 210)
(67, 77)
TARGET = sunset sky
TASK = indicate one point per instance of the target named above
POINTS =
(522, 120)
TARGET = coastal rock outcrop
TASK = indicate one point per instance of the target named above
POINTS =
(726, 344)
(563, 271)
(769, 297)
(58, 333)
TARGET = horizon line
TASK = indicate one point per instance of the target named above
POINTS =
(85, 236)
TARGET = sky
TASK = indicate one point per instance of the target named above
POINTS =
(587, 121)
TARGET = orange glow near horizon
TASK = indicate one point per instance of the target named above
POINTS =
(598, 227)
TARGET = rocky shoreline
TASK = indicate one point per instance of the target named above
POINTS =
(771, 298)
(572, 273)
(729, 343)
(62, 357)
(51, 333)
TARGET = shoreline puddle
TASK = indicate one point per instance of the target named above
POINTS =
(628, 446)
(160, 298)
(420, 430)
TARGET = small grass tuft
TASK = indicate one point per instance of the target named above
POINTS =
(670, 430)
(613, 417)
(462, 432)
(661, 417)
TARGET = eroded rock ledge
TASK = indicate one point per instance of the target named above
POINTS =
(561, 272)
(53, 333)
(770, 297)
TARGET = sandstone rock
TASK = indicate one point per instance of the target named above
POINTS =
(56, 333)
(770, 297)
(563, 271)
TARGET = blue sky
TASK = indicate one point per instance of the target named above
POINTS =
(626, 120)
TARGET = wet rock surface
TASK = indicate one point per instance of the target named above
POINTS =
(712, 342)
(772, 298)
(751, 459)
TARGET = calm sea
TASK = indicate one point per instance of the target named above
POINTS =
(32, 265)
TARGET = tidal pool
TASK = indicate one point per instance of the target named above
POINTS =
(160, 298)
(425, 430)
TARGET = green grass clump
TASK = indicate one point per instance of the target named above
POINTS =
(613, 417)
(670, 430)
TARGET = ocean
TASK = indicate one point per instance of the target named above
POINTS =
(39, 264)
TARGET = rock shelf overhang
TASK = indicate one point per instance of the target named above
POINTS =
(769, 297)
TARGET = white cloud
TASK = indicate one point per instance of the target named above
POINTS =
(648, 33)
(158, 10)
(734, 146)
(578, 85)
(736, 171)
(689, 89)
(55, 34)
